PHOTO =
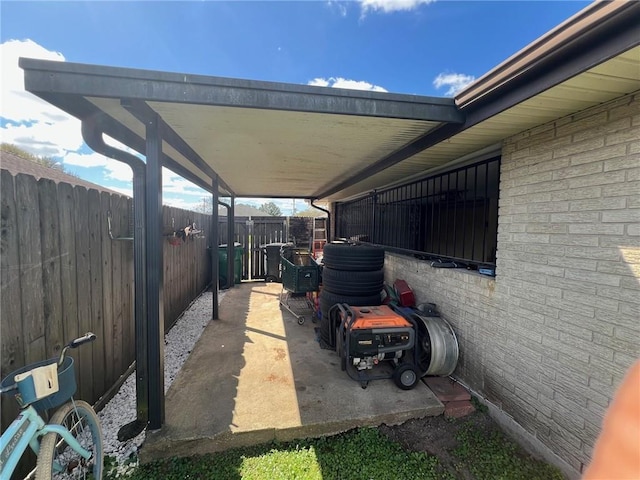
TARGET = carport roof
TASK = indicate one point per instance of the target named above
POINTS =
(267, 139)
(262, 139)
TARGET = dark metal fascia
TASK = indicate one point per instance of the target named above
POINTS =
(143, 112)
(113, 82)
(604, 41)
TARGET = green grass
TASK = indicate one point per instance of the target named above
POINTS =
(490, 455)
(359, 454)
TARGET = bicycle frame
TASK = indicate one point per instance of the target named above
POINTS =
(24, 431)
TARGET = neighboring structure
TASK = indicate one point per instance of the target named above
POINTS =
(240, 210)
(15, 164)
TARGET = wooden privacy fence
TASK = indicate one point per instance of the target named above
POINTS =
(253, 232)
(62, 275)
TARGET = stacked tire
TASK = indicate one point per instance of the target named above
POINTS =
(352, 274)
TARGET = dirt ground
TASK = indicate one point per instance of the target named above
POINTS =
(437, 436)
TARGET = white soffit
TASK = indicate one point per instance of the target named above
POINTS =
(612, 79)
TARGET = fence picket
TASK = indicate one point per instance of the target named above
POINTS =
(129, 329)
(68, 278)
(30, 266)
(83, 264)
(118, 205)
(107, 292)
(97, 316)
(50, 241)
(12, 353)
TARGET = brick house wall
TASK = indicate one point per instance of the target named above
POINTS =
(549, 339)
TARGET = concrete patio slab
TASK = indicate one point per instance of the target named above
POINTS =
(255, 376)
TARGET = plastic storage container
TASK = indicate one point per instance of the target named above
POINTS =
(272, 261)
(222, 264)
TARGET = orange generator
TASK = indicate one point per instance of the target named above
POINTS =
(376, 343)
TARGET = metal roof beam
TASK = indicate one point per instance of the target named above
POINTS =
(83, 109)
(143, 112)
(421, 143)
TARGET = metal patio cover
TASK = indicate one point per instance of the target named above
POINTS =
(262, 139)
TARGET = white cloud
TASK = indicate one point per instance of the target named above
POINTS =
(318, 82)
(182, 203)
(340, 7)
(123, 190)
(33, 124)
(339, 82)
(176, 185)
(87, 160)
(387, 6)
(455, 82)
(113, 169)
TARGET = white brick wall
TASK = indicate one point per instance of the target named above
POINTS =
(550, 338)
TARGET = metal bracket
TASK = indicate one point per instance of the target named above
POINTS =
(110, 232)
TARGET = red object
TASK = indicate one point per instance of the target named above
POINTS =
(458, 409)
(447, 390)
(404, 292)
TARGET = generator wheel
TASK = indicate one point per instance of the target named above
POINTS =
(406, 376)
(300, 320)
(340, 350)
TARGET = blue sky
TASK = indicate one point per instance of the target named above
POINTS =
(403, 46)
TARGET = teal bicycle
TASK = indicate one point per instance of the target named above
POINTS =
(70, 444)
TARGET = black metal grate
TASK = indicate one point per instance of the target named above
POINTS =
(452, 215)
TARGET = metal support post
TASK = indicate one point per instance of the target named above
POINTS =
(231, 250)
(155, 307)
(214, 248)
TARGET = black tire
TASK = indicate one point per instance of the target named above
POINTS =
(406, 376)
(81, 420)
(353, 283)
(353, 258)
(328, 299)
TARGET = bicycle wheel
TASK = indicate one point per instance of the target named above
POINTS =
(57, 459)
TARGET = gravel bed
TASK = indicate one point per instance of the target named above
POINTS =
(121, 409)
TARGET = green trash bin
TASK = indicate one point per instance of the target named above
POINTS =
(222, 264)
